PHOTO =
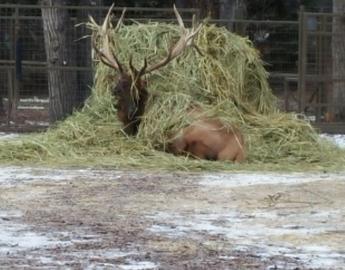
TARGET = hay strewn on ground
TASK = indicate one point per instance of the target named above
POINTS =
(229, 82)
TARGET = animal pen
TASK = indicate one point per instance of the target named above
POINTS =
(298, 55)
(83, 195)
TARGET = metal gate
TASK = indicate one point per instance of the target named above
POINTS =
(23, 69)
(317, 78)
(298, 53)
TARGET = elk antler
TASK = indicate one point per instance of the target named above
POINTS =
(186, 40)
(135, 72)
(106, 56)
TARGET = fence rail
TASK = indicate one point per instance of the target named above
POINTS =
(319, 80)
(298, 56)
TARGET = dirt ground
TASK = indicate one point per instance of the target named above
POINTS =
(103, 219)
(24, 120)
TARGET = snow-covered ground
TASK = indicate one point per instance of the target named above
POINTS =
(7, 136)
(295, 220)
(338, 139)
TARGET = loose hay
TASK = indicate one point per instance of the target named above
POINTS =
(228, 81)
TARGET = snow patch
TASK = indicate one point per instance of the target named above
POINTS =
(138, 265)
(249, 179)
(337, 139)
(15, 236)
(12, 175)
(8, 136)
(22, 107)
(264, 233)
(37, 123)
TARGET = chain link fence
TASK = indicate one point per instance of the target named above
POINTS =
(321, 76)
(296, 53)
(24, 95)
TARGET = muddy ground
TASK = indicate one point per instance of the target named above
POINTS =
(103, 219)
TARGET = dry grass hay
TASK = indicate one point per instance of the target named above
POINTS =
(228, 81)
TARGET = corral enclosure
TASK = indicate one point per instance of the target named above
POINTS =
(296, 53)
(140, 211)
(87, 218)
(227, 81)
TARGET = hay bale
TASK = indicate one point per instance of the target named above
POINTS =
(229, 81)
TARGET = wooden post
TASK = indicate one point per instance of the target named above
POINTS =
(16, 78)
(59, 50)
(302, 59)
(9, 95)
(338, 58)
(11, 71)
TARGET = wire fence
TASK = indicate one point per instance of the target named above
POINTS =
(24, 95)
(294, 52)
(321, 78)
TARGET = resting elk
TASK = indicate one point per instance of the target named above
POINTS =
(209, 138)
(205, 139)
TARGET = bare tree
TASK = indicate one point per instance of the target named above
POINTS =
(58, 45)
(338, 56)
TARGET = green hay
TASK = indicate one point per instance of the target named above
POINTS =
(228, 81)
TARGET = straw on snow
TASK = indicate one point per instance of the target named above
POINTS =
(228, 81)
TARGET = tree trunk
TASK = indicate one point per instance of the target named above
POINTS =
(58, 45)
(84, 59)
(338, 58)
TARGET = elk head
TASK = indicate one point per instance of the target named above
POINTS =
(130, 91)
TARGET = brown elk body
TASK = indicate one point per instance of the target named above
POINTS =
(213, 141)
(209, 139)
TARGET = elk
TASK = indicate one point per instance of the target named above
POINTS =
(208, 138)
(211, 142)
(130, 90)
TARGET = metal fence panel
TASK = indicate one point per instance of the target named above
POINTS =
(297, 55)
(318, 78)
(23, 66)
